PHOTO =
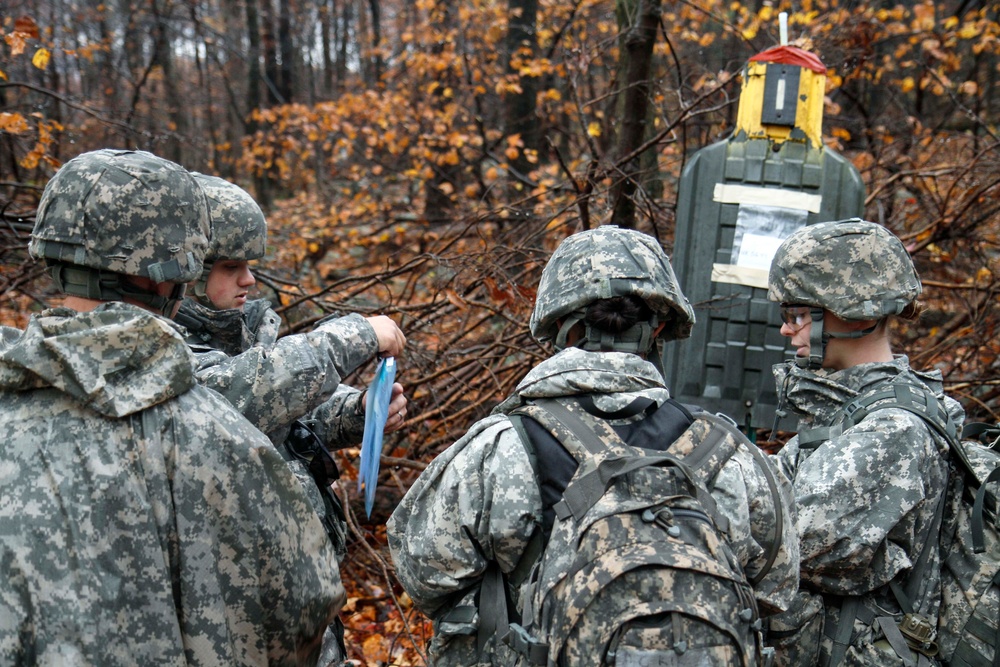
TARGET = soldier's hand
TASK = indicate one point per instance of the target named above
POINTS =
(391, 340)
(397, 410)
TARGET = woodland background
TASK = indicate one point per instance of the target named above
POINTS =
(421, 158)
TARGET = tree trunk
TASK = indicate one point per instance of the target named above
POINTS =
(214, 129)
(361, 39)
(375, 7)
(254, 50)
(342, 43)
(271, 73)
(287, 85)
(519, 108)
(639, 36)
(164, 55)
(439, 205)
(327, 15)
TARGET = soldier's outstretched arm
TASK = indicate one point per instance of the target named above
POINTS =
(274, 386)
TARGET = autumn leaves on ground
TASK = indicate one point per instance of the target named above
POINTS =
(421, 159)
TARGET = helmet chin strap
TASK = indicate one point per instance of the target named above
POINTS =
(818, 338)
(637, 339)
(107, 286)
(201, 284)
(817, 342)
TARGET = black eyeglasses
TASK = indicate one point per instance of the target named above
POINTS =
(306, 446)
(796, 317)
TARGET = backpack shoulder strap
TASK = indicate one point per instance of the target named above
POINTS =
(582, 434)
(924, 404)
(708, 451)
(915, 399)
(912, 398)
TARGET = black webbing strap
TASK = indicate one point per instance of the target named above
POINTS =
(813, 437)
(493, 619)
(844, 631)
(978, 537)
(896, 640)
(537, 653)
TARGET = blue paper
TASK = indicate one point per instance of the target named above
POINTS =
(376, 414)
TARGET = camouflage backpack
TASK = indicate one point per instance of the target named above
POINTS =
(637, 568)
(968, 624)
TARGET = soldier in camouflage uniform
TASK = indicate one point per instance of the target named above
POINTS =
(240, 355)
(143, 520)
(479, 503)
(275, 381)
(867, 497)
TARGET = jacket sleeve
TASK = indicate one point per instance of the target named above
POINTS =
(340, 420)
(273, 386)
(474, 504)
(787, 458)
(863, 502)
(745, 498)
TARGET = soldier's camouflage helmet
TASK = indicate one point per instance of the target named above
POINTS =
(239, 229)
(857, 270)
(123, 212)
(603, 263)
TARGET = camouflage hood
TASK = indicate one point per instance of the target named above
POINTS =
(816, 396)
(117, 359)
(573, 371)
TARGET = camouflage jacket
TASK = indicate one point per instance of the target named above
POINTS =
(142, 519)
(475, 503)
(274, 381)
(867, 498)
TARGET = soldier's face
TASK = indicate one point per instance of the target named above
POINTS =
(229, 284)
(840, 353)
(797, 324)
